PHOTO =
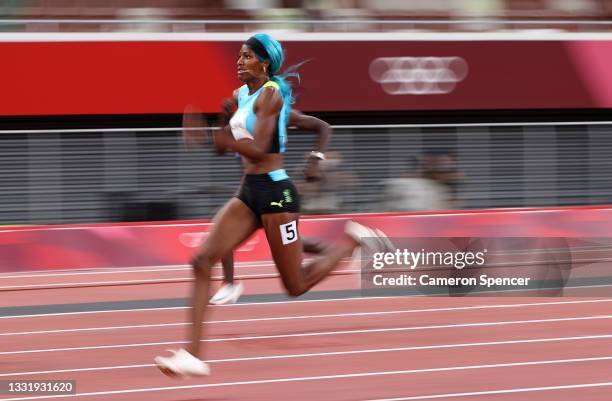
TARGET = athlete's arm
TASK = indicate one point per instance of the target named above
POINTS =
(194, 127)
(268, 106)
(228, 107)
(322, 130)
(310, 123)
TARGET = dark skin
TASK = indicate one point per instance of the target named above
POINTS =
(298, 120)
(235, 222)
(310, 245)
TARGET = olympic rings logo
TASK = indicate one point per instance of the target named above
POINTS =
(192, 240)
(418, 75)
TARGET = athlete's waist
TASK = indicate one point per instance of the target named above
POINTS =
(270, 176)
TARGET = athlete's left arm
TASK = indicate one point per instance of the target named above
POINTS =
(305, 122)
(267, 108)
(310, 123)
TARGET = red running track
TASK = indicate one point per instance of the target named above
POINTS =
(351, 349)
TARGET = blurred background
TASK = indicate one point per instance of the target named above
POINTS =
(303, 15)
(435, 105)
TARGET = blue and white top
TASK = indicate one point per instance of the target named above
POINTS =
(242, 122)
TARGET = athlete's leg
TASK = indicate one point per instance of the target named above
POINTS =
(230, 291)
(286, 246)
(228, 268)
(309, 244)
(312, 245)
(233, 224)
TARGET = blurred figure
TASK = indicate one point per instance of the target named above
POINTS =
(279, 14)
(478, 10)
(430, 186)
(441, 168)
(579, 7)
(152, 14)
(252, 4)
(321, 192)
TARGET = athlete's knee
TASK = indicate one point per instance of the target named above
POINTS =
(201, 262)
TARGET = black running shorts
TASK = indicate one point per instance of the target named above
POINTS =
(262, 194)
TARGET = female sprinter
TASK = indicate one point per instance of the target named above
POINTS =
(230, 291)
(267, 197)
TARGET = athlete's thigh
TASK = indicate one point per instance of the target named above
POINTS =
(286, 245)
(232, 225)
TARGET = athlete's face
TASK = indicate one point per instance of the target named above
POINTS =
(249, 66)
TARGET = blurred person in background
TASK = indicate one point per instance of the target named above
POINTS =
(267, 198)
(441, 168)
(322, 194)
(431, 186)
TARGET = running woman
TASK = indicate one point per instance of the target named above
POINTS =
(267, 198)
(230, 291)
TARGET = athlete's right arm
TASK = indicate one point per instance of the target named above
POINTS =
(194, 127)
(228, 107)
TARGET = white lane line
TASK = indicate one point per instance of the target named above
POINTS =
(314, 334)
(122, 282)
(92, 312)
(323, 354)
(328, 377)
(492, 392)
(135, 269)
(267, 319)
(93, 283)
(147, 269)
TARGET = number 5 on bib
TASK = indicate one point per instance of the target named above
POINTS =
(289, 232)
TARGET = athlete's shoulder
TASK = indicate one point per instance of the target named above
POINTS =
(271, 90)
(271, 84)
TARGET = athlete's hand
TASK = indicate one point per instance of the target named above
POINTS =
(228, 107)
(194, 127)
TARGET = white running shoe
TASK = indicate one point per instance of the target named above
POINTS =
(227, 294)
(389, 246)
(182, 365)
(374, 239)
